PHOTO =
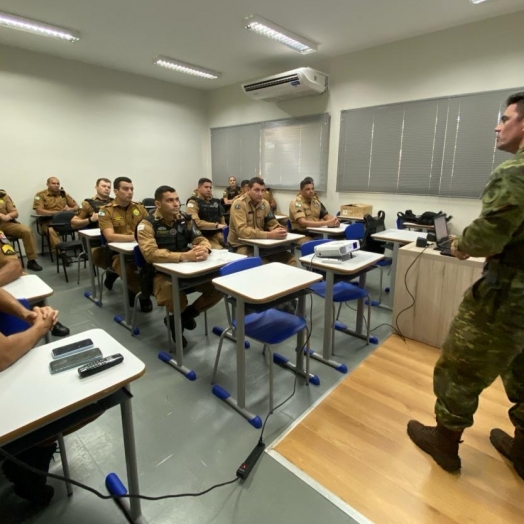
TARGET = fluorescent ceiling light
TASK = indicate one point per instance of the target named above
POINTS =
(275, 32)
(477, 1)
(183, 67)
(38, 28)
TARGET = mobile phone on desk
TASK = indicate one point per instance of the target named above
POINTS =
(74, 361)
(71, 349)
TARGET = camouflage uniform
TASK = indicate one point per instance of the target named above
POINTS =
(486, 337)
(254, 221)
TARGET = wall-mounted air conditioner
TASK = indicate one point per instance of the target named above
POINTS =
(299, 82)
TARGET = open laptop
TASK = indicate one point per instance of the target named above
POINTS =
(442, 235)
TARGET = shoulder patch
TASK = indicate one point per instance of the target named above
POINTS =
(141, 227)
(298, 204)
(190, 204)
(237, 206)
(136, 212)
(101, 213)
(37, 197)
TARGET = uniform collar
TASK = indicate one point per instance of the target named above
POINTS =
(160, 218)
(108, 199)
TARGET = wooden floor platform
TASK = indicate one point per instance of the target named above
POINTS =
(354, 444)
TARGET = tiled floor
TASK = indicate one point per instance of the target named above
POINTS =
(187, 440)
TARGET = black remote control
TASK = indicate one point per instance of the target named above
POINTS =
(99, 365)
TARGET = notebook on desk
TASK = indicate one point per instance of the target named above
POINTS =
(442, 235)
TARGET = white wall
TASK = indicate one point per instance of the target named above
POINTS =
(81, 122)
(477, 57)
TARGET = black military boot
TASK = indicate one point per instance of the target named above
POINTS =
(28, 485)
(439, 442)
(188, 317)
(172, 329)
(511, 448)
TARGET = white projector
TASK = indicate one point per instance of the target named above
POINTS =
(337, 249)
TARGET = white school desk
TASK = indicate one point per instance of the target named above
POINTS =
(268, 243)
(123, 249)
(88, 235)
(29, 378)
(202, 271)
(32, 288)
(327, 232)
(261, 285)
(397, 237)
(361, 261)
(438, 284)
(281, 217)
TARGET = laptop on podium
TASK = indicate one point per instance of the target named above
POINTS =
(442, 235)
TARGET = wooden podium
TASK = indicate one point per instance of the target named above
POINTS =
(438, 284)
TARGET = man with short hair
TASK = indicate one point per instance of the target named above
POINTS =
(306, 211)
(117, 222)
(252, 217)
(49, 202)
(207, 213)
(486, 337)
(11, 227)
(88, 218)
(165, 237)
(244, 188)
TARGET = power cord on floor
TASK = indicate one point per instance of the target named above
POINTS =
(41, 473)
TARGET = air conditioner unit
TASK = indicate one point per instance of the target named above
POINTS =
(299, 82)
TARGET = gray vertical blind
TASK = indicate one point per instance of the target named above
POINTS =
(284, 151)
(443, 146)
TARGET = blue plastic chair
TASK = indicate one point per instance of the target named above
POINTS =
(268, 327)
(225, 233)
(342, 291)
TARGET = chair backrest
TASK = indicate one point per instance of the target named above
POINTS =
(61, 222)
(400, 223)
(140, 261)
(309, 247)
(9, 324)
(240, 265)
(374, 225)
(225, 233)
(355, 231)
(288, 224)
(148, 202)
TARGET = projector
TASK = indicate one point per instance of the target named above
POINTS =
(337, 249)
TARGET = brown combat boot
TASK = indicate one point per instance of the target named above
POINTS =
(439, 442)
(511, 448)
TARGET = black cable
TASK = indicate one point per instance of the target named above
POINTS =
(304, 348)
(40, 473)
(407, 289)
(380, 325)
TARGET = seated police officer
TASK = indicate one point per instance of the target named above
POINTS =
(87, 218)
(117, 222)
(230, 192)
(307, 211)
(11, 227)
(166, 236)
(207, 213)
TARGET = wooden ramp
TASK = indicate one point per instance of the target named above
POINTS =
(354, 444)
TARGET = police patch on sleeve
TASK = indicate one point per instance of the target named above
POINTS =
(190, 204)
(101, 213)
(298, 204)
(237, 206)
(37, 197)
(141, 227)
(8, 250)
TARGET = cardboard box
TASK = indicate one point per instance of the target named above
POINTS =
(356, 210)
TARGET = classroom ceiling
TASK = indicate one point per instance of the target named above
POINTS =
(127, 34)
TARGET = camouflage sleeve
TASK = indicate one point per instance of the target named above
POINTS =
(502, 213)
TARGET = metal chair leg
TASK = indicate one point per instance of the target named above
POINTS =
(219, 351)
(271, 377)
(205, 322)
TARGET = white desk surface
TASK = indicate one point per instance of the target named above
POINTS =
(361, 260)
(402, 236)
(92, 233)
(30, 287)
(265, 283)
(281, 217)
(122, 247)
(270, 242)
(329, 230)
(32, 397)
(418, 226)
(217, 259)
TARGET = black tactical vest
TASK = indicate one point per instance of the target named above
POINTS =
(232, 192)
(209, 210)
(96, 205)
(175, 238)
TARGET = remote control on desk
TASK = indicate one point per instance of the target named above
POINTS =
(100, 365)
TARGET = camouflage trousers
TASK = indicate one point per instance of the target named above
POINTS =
(486, 340)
